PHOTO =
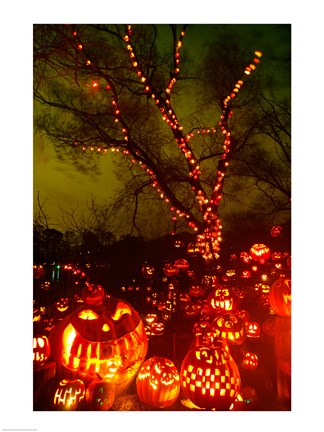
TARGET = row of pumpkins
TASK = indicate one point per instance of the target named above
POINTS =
(99, 349)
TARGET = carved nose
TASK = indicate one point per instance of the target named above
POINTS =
(105, 327)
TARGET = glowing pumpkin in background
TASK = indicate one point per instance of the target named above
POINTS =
(276, 231)
(250, 361)
(69, 394)
(148, 271)
(182, 265)
(209, 376)
(92, 294)
(158, 382)
(280, 296)
(38, 271)
(260, 253)
(100, 395)
(106, 341)
(170, 270)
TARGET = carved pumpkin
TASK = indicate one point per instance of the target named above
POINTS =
(69, 394)
(280, 296)
(93, 294)
(158, 382)
(209, 376)
(223, 298)
(194, 249)
(276, 231)
(41, 350)
(181, 264)
(62, 308)
(170, 270)
(260, 253)
(38, 271)
(148, 271)
(190, 310)
(100, 395)
(253, 329)
(196, 291)
(230, 327)
(250, 361)
(106, 340)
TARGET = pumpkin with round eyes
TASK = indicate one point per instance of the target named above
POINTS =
(106, 340)
(62, 308)
(230, 327)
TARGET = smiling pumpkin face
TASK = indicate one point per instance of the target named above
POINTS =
(106, 340)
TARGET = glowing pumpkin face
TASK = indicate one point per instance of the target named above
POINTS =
(106, 340)
(38, 271)
(93, 294)
(147, 271)
(260, 252)
(230, 327)
(158, 382)
(210, 377)
(62, 307)
(69, 394)
(250, 361)
(181, 264)
(223, 298)
(170, 270)
(253, 329)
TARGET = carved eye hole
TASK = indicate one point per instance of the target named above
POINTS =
(88, 314)
(122, 309)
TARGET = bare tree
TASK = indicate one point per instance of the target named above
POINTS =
(125, 89)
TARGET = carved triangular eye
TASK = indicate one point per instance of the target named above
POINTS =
(88, 314)
(121, 310)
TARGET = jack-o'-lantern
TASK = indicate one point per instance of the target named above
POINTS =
(231, 273)
(194, 249)
(62, 307)
(157, 329)
(245, 257)
(38, 271)
(178, 244)
(253, 329)
(200, 329)
(250, 361)
(209, 281)
(196, 291)
(276, 231)
(276, 256)
(280, 296)
(69, 394)
(93, 294)
(170, 270)
(100, 395)
(245, 274)
(148, 271)
(150, 318)
(158, 382)
(260, 252)
(41, 349)
(190, 310)
(106, 341)
(181, 264)
(209, 376)
(230, 327)
(223, 298)
(46, 285)
(243, 314)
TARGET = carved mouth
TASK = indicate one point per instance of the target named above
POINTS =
(223, 304)
(105, 359)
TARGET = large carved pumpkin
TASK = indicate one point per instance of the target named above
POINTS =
(230, 327)
(280, 296)
(106, 341)
(210, 377)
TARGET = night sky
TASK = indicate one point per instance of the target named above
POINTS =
(18, 186)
